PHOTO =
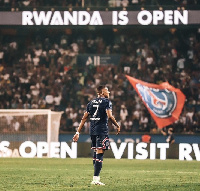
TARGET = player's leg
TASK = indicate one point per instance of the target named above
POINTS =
(97, 167)
(102, 144)
(94, 156)
(93, 146)
(99, 161)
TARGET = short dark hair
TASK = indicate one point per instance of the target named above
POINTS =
(100, 88)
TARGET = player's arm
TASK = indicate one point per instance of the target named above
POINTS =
(83, 120)
(113, 120)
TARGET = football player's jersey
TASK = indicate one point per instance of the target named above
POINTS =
(98, 117)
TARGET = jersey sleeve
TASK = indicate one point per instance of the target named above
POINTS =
(109, 105)
(88, 107)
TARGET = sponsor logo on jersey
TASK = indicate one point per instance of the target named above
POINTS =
(94, 119)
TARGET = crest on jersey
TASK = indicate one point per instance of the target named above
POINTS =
(164, 102)
(161, 102)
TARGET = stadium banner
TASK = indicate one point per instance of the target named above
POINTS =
(164, 102)
(97, 60)
(99, 18)
(140, 151)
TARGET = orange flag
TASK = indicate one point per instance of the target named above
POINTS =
(163, 101)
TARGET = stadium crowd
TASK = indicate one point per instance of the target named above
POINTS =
(95, 3)
(40, 71)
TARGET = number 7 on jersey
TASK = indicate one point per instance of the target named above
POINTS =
(97, 107)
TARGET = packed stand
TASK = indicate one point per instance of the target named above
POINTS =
(23, 4)
(41, 71)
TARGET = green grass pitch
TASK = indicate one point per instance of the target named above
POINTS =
(19, 174)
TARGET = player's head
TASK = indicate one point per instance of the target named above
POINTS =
(103, 91)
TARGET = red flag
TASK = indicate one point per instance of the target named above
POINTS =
(163, 101)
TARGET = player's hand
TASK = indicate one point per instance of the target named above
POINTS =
(75, 137)
(118, 130)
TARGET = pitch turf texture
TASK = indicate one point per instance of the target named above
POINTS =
(76, 174)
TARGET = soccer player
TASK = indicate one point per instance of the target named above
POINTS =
(99, 110)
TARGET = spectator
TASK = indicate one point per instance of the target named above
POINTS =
(128, 124)
(190, 121)
(181, 64)
(123, 113)
(144, 123)
(169, 134)
(136, 119)
(146, 138)
(15, 125)
(124, 3)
